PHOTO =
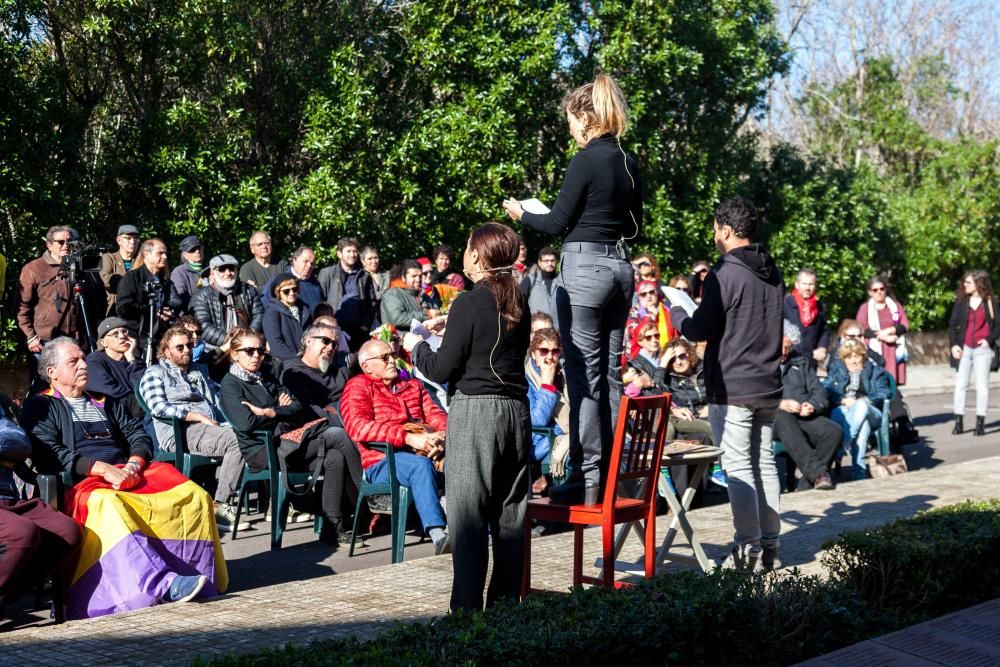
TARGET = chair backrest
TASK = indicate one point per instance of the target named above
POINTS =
(638, 443)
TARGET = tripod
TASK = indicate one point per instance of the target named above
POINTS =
(81, 303)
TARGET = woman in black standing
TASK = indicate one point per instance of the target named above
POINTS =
(489, 424)
(599, 208)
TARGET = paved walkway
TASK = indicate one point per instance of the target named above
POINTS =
(361, 603)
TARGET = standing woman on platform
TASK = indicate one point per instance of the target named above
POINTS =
(599, 208)
(489, 423)
(973, 331)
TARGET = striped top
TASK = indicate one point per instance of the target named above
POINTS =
(92, 432)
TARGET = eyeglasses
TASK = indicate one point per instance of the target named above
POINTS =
(683, 356)
(546, 351)
(650, 337)
(183, 346)
(118, 333)
(194, 333)
(253, 351)
(59, 241)
(226, 269)
(262, 243)
(648, 293)
(100, 435)
(289, 290)
(641, 264)
(384, 358)
(324, 339)
(426, 273)
(877, 289)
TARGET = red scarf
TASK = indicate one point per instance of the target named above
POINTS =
(808, 308)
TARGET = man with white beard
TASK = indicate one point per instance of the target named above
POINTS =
(225, 303)
(317, 376)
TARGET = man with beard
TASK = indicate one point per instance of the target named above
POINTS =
(317, 376)
(172, 388)
(225, 303)
(808, 313)
(540, 285)
(351, 291)
(401, 305)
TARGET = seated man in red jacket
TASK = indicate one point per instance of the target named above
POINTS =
(378, 406)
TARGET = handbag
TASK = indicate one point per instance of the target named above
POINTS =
(995, 361)
(886, 466)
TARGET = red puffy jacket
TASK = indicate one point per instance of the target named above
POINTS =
(372, 412)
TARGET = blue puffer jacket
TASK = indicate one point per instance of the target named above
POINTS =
(14, 448)
(874, 383)
(542, 403)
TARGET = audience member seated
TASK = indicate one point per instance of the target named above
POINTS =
(351, 291)
(187, 276)
(302, 267)
(548, 402)
(401, 305)
(645, 267)
(680, 282)
(226, 303)
(149, 532)
(317, 376)
(253, 401)
(114, 368)
(259, 269)
(430, 298)
(378, 406)
(856, 388)
(35, 539)
(198, 355)
(810, 439)
(649, 307)
(285, 316)
(541, 321)
(680, 372)
(174, 388)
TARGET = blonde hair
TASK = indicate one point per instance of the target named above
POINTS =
(602, 105)
(236, 338)
(850, 347)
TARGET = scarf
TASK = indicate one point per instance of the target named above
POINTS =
(561, 410)
(245, 375)
(808, 308)
(874, 343)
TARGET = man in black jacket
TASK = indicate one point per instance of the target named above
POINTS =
(317, 376)
(809, 438)
(145, 286)
(225, 303)
(740, 317)
(350, 290)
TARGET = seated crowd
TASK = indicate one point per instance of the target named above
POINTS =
(311, 360)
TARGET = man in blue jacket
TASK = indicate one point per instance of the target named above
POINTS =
(740, 316)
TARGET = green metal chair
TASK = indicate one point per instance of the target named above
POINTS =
(400, 501)
(882, 434)
(281, 495)
(181, 458)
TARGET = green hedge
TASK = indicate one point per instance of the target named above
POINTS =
(881, 580)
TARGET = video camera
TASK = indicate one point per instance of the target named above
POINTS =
(74, 264)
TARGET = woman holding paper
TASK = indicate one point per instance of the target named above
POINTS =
(599, 208)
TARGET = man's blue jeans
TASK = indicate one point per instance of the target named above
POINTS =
(857, 422)
(416, 472)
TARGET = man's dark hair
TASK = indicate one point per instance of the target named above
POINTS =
(408, 264)
(347, 242)
(740, 215)
(445, 250)
(547, 250)
(298, 251)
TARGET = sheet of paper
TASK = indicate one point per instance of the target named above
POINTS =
(432, 339)
(680, 298)
(534, 206)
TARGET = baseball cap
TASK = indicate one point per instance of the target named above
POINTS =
(128, 229)
(108, 324)
(189, 243)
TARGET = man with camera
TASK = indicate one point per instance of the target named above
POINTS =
(144, 295)
(46, 309)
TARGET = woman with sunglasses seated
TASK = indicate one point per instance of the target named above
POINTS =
(285, 317)
(253, 401)
(650, 307)
(548, 404)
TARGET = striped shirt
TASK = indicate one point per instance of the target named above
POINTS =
(92, 431)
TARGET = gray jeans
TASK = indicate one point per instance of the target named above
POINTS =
(744, 434)
(217, 441)
(975, 363)
(486, 483)
(593, 300)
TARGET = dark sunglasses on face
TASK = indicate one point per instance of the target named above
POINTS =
(183, 346)
(649, 293)
(59, 241)
(253, 351)
(289, 290)
(546, 351)
(384, 358)
(324, 339)
(650, 337)
(877, 289)
(194, 333)
(681, 357)
(103, 435)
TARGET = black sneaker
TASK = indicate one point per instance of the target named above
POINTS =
(576, 492)
(330, 535)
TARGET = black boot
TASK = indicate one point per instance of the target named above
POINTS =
(958, 425)
(980, 426)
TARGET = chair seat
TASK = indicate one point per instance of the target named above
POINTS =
(625, 509)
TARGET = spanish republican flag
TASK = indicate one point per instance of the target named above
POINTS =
(136, 541)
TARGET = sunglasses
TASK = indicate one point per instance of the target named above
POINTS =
(183, 346)
(325, 340)
(650, 337)
(384, 358)
(59, 241)
(289, 290)
(877, 289)
(103, 435)
(225, 269)
(683, 356)
(194, 332)
(648, 293)
(546, 351)
(253, 351)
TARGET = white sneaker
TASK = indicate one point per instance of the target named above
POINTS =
(294, 516)
(225, 518)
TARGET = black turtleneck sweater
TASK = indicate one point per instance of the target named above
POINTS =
(470, 345)
(596, 197)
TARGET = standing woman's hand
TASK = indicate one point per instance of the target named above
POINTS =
(513, 208)
(956, 352)
(410, 341)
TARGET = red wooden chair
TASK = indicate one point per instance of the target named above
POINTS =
(635, 456)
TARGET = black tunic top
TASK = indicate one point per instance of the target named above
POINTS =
(472, 358)
(596, 198)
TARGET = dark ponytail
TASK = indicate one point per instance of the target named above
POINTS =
(498, 246)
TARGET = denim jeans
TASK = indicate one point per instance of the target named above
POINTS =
(857, 422)
(975, 363)
(416, 472)
(744, 434)
(592, 300)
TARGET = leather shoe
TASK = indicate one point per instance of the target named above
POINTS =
(576, 492)
(823, 481)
